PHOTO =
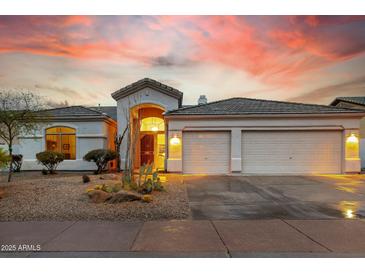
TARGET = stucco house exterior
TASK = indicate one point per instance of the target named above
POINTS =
(235, 135)
(356, 102)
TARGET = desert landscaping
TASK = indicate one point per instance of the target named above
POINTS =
(32, 196)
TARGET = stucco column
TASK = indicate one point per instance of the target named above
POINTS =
(236, 158)
(351, 150)
(174, 161)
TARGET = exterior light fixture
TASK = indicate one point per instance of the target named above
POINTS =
(352, 139)
(154, 128)
(174, 140)
(349, 214)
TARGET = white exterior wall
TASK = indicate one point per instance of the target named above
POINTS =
(143, 96)
(89, 135)
(176, 126)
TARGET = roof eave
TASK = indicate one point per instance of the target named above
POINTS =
(262, 115)
(119, 94)
(82, 118)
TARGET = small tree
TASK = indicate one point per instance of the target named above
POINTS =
(18, 116)
(118, 139)
(4, 158)
(50, 159)
(101, 158)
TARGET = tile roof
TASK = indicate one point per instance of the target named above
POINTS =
(360, 100)
(73, 111)
(247, 106)
(111, 111)
(147, 82)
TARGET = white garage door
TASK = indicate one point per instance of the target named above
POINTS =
(291, 152)
(206, 152)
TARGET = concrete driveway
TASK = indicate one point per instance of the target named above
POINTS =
(283, 197)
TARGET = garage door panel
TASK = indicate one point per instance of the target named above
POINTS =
(206, 152)
(291, 152)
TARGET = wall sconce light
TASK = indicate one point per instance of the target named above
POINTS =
(154, 128)
(352, 139)
(174, 140)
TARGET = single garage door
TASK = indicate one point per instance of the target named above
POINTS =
(206, 152)
(291, 152)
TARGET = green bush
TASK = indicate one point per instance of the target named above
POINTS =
(50, 159)
(101, 158)
(4, 158)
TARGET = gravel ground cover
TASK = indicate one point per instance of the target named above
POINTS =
(60, 197)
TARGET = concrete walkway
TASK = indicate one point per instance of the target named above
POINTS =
(188, 238)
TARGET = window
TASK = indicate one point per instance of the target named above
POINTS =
(62, 139)
(152, 124)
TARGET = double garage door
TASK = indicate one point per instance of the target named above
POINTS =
(264, 152)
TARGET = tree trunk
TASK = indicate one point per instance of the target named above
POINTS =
(11, 162)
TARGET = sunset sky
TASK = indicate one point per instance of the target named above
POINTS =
(83, 59)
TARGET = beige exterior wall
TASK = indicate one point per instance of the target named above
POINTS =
(362, 129)
(347, 125)
(89, 135)
(143, 96)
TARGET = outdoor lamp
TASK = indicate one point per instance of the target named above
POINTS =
(174, 140)
(352, 138)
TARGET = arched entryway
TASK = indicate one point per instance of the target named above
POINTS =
(149, 135)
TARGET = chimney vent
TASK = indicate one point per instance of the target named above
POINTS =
(202, 100)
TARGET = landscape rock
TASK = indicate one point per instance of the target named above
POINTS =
(99, 196)
(109, 177)
(124, 196)
(85, 179)
(147, 198)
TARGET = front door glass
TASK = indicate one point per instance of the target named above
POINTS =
(147, 149)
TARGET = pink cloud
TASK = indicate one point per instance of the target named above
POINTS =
(275, 50)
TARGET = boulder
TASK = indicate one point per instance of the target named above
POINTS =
(85, 179)
(124, 196)
(147, 198)
(99, 196)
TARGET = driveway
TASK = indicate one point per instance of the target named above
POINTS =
(283, 197)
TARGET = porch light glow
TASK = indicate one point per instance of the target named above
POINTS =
(174, 140)
(352, 139)
(349, 214)
(154, 128)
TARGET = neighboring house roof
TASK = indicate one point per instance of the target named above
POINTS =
(247, 106)
(111, 111)
(147, 82)
(74, 112)
(358, 100)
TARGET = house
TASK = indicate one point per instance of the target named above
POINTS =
(236, 135)
(71, 130)
(355, 103)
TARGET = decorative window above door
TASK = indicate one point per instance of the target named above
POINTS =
(152, 124)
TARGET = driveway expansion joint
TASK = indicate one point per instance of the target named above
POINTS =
(136, 237)
(307, 236)
(220, 237)
(58, 234)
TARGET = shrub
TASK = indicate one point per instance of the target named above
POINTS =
(151, 180)
(85, 179)
(44, 171)
(17, 162)
(50, 159)
(101, 158)
(4, 158)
